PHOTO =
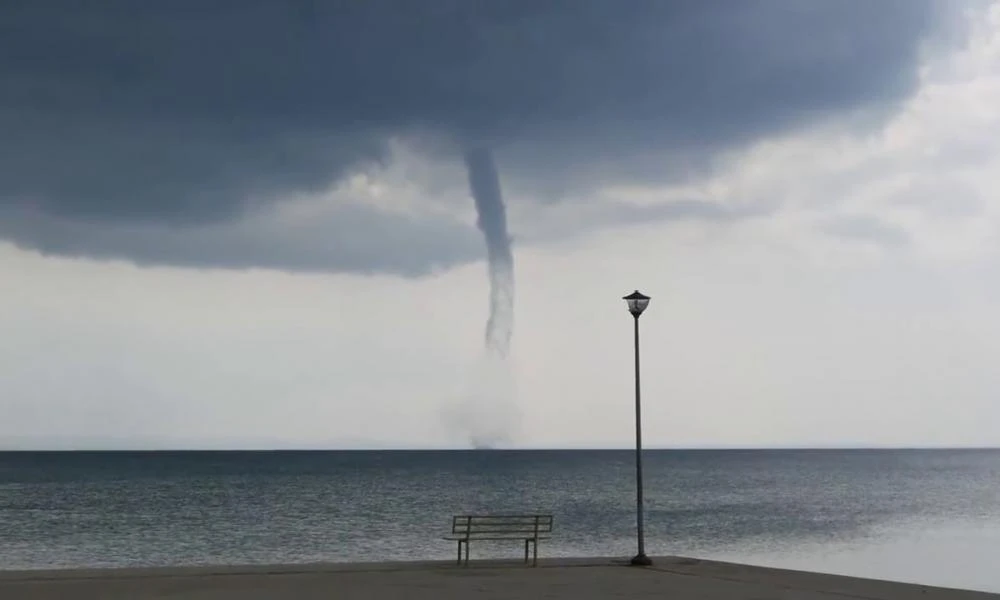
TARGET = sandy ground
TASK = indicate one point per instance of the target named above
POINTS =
(578, 579)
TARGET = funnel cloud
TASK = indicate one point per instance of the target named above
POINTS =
(489, 415)
(485, 186)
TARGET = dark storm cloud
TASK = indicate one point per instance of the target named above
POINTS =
(188, 113)
(365, 241)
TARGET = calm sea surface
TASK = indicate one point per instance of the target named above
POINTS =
(928, 516)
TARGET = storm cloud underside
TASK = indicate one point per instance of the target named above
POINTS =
(183, 116)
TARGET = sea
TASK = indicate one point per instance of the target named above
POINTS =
(922, 516)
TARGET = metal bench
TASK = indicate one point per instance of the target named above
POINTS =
(530, 528)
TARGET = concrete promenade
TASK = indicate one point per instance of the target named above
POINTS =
(556, 579)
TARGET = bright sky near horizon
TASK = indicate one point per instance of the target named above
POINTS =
(253, 229)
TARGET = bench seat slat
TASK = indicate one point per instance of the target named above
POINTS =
(507, 533)
(503, 517)
(455, 538)
(498, 526)
(528, 532)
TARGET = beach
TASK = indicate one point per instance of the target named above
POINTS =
(571, 579)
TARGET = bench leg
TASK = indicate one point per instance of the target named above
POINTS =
(534, 545)
(459, 553)
(526, 551)
(466, 552)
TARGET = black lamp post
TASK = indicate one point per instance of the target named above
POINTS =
(636, 304)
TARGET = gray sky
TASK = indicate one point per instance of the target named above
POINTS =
(260, 234)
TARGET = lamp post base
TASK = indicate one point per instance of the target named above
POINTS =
(641, 560)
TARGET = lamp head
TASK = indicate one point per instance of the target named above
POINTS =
(637, 302)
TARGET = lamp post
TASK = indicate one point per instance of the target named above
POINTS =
(637, 303)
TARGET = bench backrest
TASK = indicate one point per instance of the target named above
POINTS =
(513, 525)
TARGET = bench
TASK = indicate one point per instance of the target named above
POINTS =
(530, 528)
